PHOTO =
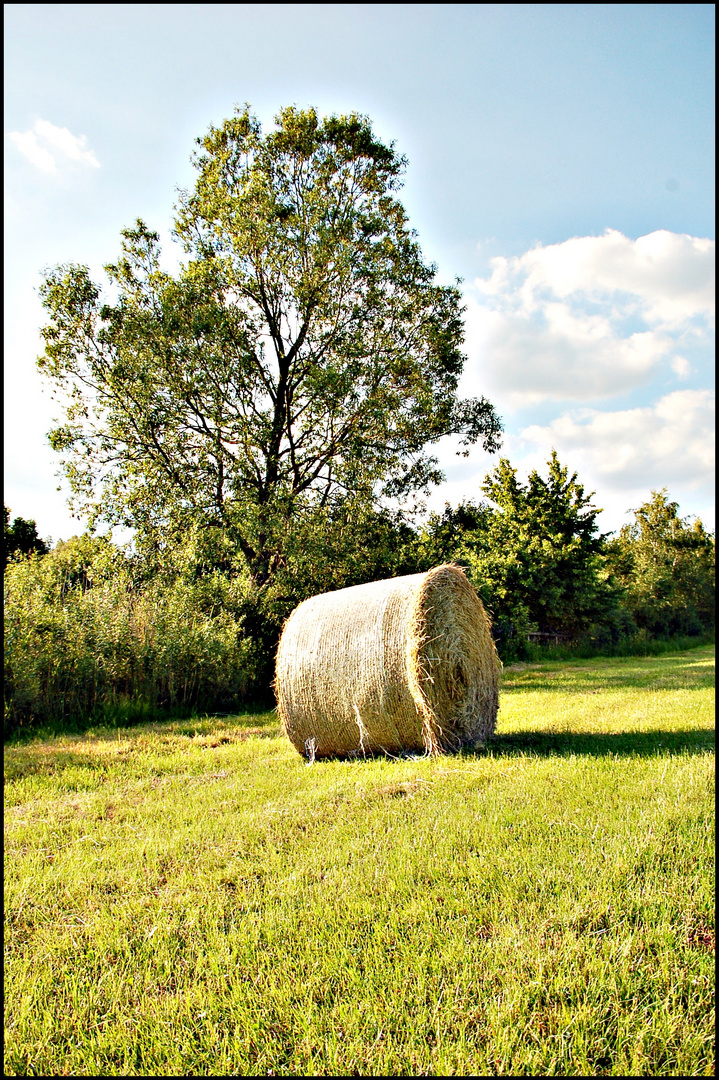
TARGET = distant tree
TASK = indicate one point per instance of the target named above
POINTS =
(20, 537)
(303, 359)
(666, 564)
(533, 551)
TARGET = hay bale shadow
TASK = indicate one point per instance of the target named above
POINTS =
(590, 744)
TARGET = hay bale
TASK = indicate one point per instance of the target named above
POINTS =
(397, 665)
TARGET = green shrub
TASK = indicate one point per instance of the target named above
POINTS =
(639, 644)
(84, 640)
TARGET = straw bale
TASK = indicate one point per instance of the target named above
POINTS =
(406, 664)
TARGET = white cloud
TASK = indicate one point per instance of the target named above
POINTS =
(581, 322)
(670, 276)
(62, 140)
(591, 317)
(566, 354)
(620, 455)
(27, 144)
(47, 144)
(681, 367)
(668, 443)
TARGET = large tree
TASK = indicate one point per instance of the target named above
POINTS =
(302, 357)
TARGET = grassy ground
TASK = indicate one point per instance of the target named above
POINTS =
(193, 898)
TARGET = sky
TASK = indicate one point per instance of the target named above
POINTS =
(560, 162)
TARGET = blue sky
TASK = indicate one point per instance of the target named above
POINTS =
(560, 162)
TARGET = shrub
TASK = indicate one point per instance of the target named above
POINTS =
(84, 641)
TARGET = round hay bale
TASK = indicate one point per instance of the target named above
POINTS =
(406, 664)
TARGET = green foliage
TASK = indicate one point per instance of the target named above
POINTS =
(536, 557)
(448, 536)
(347, 544)
(303, 356)
(534, 554)
(666, 564)
(86, 637)
(91, 631)
(20, 538)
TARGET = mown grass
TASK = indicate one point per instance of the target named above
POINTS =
(191, 897)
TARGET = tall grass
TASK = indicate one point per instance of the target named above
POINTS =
(85, 641)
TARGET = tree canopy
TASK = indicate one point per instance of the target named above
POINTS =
(533, 551)
(20, 538)
(303, 357)
(666, 564)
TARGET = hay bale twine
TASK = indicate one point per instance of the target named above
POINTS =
(398, 665)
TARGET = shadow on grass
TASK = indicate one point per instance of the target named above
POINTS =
(621, 744)
(563, 744)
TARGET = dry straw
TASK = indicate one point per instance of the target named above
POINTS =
(406, 664)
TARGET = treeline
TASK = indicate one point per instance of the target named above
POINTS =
(93, 632)
(535, 555)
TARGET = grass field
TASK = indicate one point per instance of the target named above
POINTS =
(192, 897)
